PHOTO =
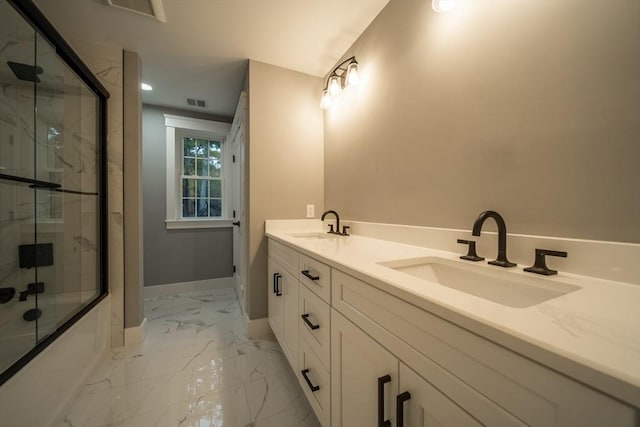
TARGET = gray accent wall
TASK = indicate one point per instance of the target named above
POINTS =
(529, 108)
(175, 256)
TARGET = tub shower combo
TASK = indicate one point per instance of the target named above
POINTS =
(52, 186)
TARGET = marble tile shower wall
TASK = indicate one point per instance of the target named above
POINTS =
(16, 209)
(106, 63)
(65, 134)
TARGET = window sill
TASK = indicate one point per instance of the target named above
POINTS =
(181, 224)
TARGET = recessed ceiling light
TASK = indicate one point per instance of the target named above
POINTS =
(146, 86)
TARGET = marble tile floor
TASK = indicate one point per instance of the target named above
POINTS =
(196, 368)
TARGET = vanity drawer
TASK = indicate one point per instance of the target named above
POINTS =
(495, 385)
(315, 326)
(284, 255)
(317, 277)
(309, 366)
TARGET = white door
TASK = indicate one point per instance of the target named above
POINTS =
(363, 374)
(238, 215)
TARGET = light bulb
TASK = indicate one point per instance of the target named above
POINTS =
(326, 100)
(335, 88)
(352, 74)
(443, 5)
(146, 86)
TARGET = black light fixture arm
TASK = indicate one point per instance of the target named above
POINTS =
(342, 68)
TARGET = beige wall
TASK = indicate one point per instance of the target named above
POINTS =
(285, 161)
(132, 145)
(530, 108)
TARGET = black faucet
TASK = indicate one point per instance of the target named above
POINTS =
(32, 289)
(337, 230)
(502, 260)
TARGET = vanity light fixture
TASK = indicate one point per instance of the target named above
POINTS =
(345, 74)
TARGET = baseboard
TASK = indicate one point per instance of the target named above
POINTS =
(136, 334)
(258, 328)
(197, 285)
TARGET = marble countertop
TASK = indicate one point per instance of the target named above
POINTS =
(591, 334)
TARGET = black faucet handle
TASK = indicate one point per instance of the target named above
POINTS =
(540, 264)
(344, 230)
(331, 229)
(471, 253)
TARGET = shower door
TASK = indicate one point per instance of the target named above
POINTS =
(52, 195)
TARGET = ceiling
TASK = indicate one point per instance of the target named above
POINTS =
(202, 50)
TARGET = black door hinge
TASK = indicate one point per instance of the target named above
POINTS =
(234, 268)
(233, 158)
(234, 214)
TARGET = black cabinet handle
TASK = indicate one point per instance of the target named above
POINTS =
(381, 382)
(309, 275)
(313, 388)
(400, 399)
(305, 317)
(278, 290)
(276, 284)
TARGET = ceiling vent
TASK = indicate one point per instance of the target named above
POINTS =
(149, 8)
(192, 102)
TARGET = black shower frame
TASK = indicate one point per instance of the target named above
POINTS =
(28, 10)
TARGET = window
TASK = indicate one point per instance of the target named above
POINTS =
(198, 186)
(202, 180)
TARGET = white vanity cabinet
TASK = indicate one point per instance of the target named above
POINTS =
(420, 404)
(444, 363)
(299, 314)
(283, 298)
(372, 387)
(364, 377)
(315, 335)
(365, 357)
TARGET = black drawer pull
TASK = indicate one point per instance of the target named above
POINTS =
(381, 382)
(309, 275)
(313, 388)
(276, 284)
(305, 317)
(400, 399)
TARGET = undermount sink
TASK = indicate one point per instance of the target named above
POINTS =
(313, 235)
(502, 287)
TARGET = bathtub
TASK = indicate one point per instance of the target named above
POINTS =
(18, 336)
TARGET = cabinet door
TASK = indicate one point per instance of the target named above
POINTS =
(276, 301)
(359, 368)
(288, 286)
(426, 406)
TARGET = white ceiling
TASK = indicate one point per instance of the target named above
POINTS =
(201, 51)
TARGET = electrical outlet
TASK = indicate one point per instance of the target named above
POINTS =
(311, 211)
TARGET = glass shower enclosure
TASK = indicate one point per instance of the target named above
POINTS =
(52, 186)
